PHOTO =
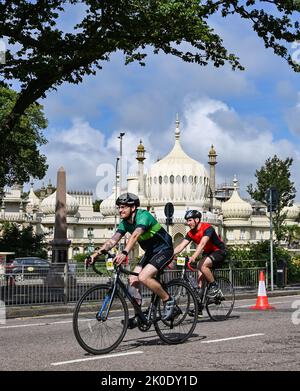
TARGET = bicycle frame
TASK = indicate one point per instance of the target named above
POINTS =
(200, 298)
(118, 284)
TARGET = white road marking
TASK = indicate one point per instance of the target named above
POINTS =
(70, 321)
(23, 325)
(231, 338)
(34, 324)
(95, 358)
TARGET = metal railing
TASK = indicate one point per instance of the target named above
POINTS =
(64, 284)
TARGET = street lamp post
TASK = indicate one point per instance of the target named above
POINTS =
(120, 178)
(116, 191)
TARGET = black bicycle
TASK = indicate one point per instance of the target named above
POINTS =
(101, 315)
(218, 308)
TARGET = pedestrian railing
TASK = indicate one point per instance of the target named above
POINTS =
(66, 283)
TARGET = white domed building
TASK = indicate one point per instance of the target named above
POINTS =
(176, 178)
(179, 179)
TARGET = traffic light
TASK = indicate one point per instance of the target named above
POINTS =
(272, 199)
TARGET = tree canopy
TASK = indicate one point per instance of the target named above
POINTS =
(41, 56)
(276, 173)
(20, 157)
(23, 242)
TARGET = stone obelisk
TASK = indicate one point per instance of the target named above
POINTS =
(60, 243)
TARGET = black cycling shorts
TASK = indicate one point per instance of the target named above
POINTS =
(217, 257)
(159, 260)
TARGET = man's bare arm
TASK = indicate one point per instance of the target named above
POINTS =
(200, 247)
(133, 238)
(110, 243)
(182, 245)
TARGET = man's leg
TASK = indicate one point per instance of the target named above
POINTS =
(146, 277)
(200, 279)
(135, 285)
(205, 267)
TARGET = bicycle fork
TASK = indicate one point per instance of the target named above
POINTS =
(102, 314)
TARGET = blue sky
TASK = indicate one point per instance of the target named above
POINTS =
(248, 116)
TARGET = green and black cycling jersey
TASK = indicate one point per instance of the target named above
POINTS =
(154, 238)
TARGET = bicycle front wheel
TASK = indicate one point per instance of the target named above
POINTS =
(221, 306)
(96, 329)
(180, 328)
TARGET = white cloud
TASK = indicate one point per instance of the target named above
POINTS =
(242, 147)
(292, 117)
(80, 150)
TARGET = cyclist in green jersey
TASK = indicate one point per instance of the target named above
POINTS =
(156, 243)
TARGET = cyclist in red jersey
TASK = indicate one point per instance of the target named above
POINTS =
(209, 244)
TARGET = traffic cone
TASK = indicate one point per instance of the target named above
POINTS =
(262, 299)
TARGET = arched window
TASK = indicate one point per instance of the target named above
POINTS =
(184, 179)
(190, 179)
(165, 179)
(172, 179)
(178, 179)
(160, 179)
(155, 180)
(177, 239)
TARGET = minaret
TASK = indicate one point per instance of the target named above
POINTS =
(140, 158)
(212, 174)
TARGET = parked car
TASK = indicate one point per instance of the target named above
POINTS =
(27, 266)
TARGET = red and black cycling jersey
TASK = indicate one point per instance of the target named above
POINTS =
(214, 244)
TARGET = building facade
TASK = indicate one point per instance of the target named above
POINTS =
(176, 178)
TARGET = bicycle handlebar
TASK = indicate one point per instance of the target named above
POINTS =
(190, 267)
(188, 264)
(112, 256)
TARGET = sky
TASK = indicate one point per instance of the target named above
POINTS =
(248, 115)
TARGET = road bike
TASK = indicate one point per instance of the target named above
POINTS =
(100, 318)
(218, 308)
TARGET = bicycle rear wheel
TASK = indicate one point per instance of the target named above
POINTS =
(221, 306)
(182, 326)
(97, 331)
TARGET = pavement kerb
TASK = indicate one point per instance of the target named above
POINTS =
(61, 309)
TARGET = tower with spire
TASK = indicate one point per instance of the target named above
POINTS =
(212, 161)
(140, 158)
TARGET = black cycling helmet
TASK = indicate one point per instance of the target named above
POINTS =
(192, 214)
(128, 199)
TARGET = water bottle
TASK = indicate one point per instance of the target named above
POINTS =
(135, 293)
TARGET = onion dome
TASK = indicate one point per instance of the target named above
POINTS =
(33, 201)
(108, 206)
(177, 177)
(292, 212)
(49, 203)
(235, 207)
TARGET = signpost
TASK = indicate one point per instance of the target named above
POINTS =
(169, 211)
(272, 198)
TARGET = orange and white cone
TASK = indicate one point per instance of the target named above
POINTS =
(262, 298)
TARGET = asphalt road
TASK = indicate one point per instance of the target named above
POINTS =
(248, 341)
